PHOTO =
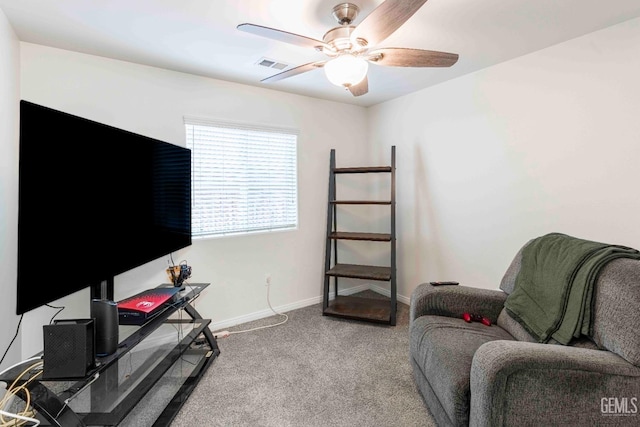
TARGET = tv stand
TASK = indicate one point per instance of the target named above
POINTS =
(144, 383)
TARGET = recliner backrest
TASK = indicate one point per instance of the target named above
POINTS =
(616, 315)
(508, 282)
(616, 308)
(507, 285)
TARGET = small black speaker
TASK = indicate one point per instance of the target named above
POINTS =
(105, 314)
(68, 349)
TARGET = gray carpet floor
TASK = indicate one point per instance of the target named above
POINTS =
(313, 370)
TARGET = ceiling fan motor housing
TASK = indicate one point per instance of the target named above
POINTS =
(345, 13)
(339, 38)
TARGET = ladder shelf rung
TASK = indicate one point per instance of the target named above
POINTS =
(373, 237)
(360, 202)
(373, 169)
(356, 271)
(357, 308)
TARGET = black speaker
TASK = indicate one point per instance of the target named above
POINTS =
(105, 314)
(68, 349)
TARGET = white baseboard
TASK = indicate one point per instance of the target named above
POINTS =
(387, 293)
(351, 291)
(225, 324)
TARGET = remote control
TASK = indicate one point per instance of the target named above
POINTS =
(443, 283)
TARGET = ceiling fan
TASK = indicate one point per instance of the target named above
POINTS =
(351, 48)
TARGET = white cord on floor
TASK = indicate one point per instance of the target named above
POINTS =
(224, 334)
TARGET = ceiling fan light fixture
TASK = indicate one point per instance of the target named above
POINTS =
(346, 70)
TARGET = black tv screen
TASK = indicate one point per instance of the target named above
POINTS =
(94, 202)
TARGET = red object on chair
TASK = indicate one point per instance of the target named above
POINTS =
(468, 317)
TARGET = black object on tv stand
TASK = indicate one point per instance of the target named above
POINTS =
(151, 360)
(103, 290)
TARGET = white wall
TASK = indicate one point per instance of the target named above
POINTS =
(9, 125)
(547, 142)
(153, 102)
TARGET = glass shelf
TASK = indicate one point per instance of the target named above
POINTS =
(145, 382)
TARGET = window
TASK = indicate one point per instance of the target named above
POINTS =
(244, 178)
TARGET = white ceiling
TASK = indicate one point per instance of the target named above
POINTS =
(200, 36)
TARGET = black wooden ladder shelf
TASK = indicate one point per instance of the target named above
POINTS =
(352, 307)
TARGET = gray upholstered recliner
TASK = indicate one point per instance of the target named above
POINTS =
(472, 374)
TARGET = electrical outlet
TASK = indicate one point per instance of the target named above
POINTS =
(268, 279)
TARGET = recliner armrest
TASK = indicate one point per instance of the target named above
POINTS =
(453, 301)
(522, 383)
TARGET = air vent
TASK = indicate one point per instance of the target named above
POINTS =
(271, 63)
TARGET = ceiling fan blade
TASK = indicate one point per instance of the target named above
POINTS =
(360, 88)
(402, 57)
(284, 36)
(294, 71)
(384, 20)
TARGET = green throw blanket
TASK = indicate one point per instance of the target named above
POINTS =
(554, 289)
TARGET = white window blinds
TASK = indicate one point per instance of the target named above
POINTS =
(244, 178)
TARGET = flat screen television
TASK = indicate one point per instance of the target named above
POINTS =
(94, 201)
